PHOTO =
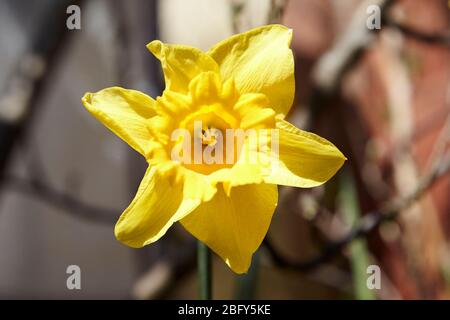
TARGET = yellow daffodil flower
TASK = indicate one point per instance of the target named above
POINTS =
(244, 82)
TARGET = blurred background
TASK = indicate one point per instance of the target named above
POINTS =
(382, 96)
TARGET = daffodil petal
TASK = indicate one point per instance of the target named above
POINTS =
(197, 185)
(181, 64)
(305, 160)
(260, 61)
(124, 112)
(245, 171)
(157, 205)
(240, 174)
(234, 226)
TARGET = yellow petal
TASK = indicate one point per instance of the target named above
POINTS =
(124, 112)
(197, 185)
(205, 88)
(173, 104)
(260, 61)
(181, 64)
(261, 117)
(234, 226)
(305, 160)
(157, 205)
(245, 171)
(240, 174)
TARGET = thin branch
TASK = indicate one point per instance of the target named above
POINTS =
(368, 222)
(19, 97)
(70, 204)
(333, 65)
(439, 39)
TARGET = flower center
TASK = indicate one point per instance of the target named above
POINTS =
(207, 143)
(209, 136)
(208, 125)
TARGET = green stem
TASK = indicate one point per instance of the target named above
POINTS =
(359, 253)
(204, 271)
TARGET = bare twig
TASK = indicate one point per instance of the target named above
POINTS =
(333, 65)
(369, 221)
(19, 97)
(435, 38)
(328, 73)
(70, 204)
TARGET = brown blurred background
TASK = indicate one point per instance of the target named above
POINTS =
(382, 96)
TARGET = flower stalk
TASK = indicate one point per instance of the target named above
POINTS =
(204, 271)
